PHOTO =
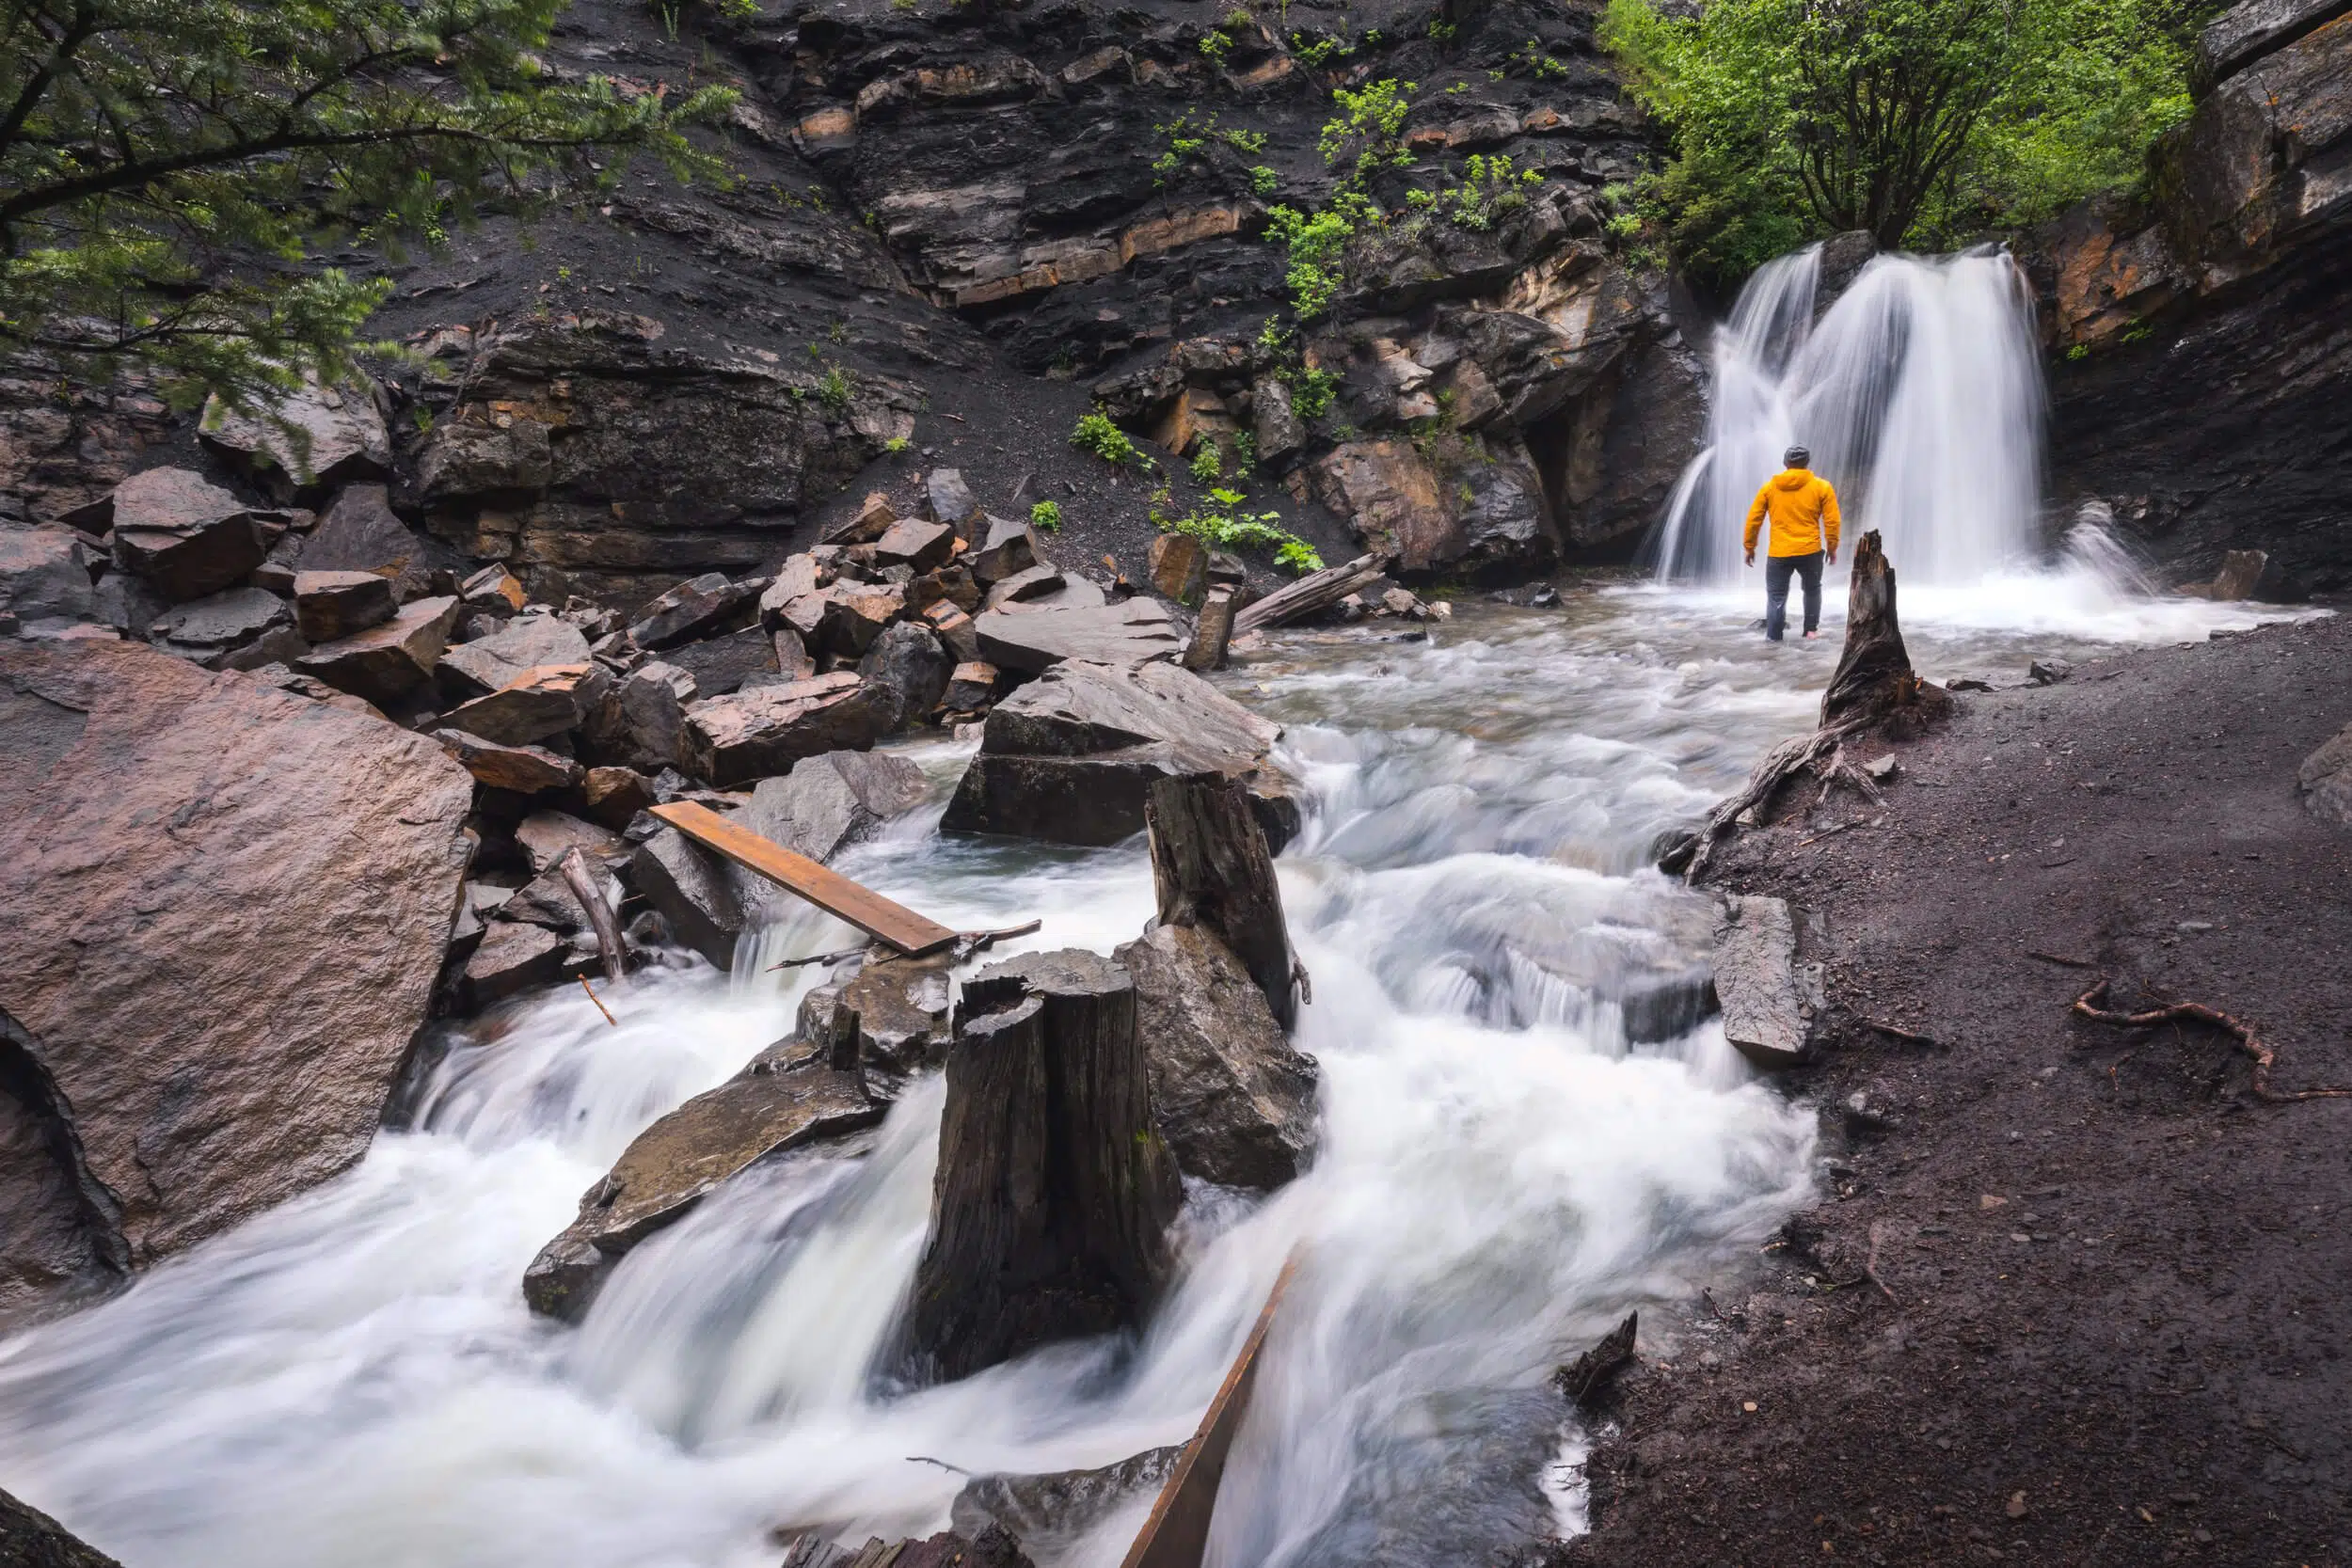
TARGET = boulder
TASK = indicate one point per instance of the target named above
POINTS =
(793, 661)
(767, 1110)
(752, 735)
(226, 907)
(41, 574)
(1212, 631)
(615, 796)
(538, 704)
(186, 537)
(317, 437)
(908, 663)
(874, 520)
(1053, 1512)
(852, 615)
(546, 836)
(31, 1539)
(887, 1021)
(722, 664)
(486, 664)
(1755, 980)
(798, 577)
(1071, 757)
(549, 899)
(360, 532)
(1004, 548)
(1128, 634)
(1054, 1192)
(495, 590)
(522, 768)
(1179, 566)
(955, 631)
(2325, 780)
(643, 718)
(512, 957)
(209, 629)
(971, 687)
(920, 545)
(693, 892)
(1276, 424)
(386, 663)
(1235, 1100)
(698, 608)
(333, 605)
(950, 500)
(828, 802)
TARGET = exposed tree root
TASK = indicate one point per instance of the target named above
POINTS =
(2090, 1005)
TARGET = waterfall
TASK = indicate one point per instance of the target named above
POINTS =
(1919, 392)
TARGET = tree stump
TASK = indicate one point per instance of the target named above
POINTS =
(1874, 684)
(1055, 1191)
(1212, 631)
(1211, 865)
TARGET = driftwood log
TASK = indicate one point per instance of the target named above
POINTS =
(1212, 869)
(1054, 1189)
(600, 916)
(1315, 590)
(1874, 692)
(1587, 1379)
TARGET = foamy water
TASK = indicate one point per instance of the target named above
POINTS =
(353, 1379)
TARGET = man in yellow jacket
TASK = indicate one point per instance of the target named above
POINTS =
(1803, 510)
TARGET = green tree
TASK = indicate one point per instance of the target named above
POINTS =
(1923, 122)
(170, 169)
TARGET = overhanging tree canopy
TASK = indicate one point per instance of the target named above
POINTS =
(169, 168)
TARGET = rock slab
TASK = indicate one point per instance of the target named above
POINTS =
(227, 906)
(1755, 980)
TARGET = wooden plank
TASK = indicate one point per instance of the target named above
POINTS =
(1177, 1533)
(830, 891)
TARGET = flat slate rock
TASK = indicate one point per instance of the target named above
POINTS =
(526, 642)
(386, 663)
(317, 437)
(2325, 780)
(227, 906)
(721, 664)
(680, 1159)
(763, 731)
(187, 536)
(1755, 980)
(1032, 641)
(360, 532)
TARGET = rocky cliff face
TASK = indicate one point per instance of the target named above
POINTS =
(957, 227)
(2202, 346)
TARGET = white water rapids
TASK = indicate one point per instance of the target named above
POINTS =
(353, 1379)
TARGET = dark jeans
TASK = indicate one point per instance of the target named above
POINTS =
(1777, 570)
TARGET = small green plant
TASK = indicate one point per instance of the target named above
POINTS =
(1317, 244)
(1249, 142)
(1216, 44)
(1208, 464)
(1045, 516)
(1370, 125)
(834, 391)
(1262, 181)
(895, 445)
(1244, 455)
(1442, 29)
(1532, 57)
(1490, 187)
(423, 419)
(1317, 52)
(839, 332)
(2078, 352)
(672, 12)
(1096, 433)
(1223, 525)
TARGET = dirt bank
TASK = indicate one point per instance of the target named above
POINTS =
(2112, 1328)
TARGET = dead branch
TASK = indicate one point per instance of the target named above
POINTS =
(1904, 1034)
(599, 1002)
(1870, 1264)
(828, 960)
(969, 943)
(2055, 958)
(574, 867)
(2090, 1005)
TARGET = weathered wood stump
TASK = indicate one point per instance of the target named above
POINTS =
(1212, 869)
(1317, 591)
(1874, 684)
(1055, 1191)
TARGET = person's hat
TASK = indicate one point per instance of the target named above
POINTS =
(1796, 457)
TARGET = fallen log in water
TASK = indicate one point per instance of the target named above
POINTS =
(1313, 592)
(574, 866)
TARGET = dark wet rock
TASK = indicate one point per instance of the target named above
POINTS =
(642, 720)
(386, 663)
(542, 702)
(956, 630)
(1235, 1100)
(949, 499)
(511, 957)
(494, 591)
(2325, 780)
(694, 892)
(315, 439)
(360, 532)
(42, 576)
(524, 769)
(332, 604)
(31, 1539)
(184, 536)
(721, 664)
(1031, 583)
(615, 796)
(1755, 952)
(1032, 643)
(989, 1548)
(1071, 757)
(545, 836)
(888, 1022)
(1213, 867)
(767, 1110)
(1179, 564)
(210, 629)
(699, 607)
(756, 733)
(871, 522)
(915, 543)
(525, 642)
(548, 900)
(830, 801)
(909, 664)
(1055, 1191)
(971, 687)
(1051, 1512)
(2245, 33)
(254, 887)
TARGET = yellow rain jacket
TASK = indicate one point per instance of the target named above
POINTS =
(1804, 509)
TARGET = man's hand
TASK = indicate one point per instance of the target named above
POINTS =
(1751, 558)
(1833, 557)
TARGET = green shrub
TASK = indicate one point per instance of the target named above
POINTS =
(1096, 433)
(1208, 464)
(836, 391)
(1369, 127)
(1222, 525)
(1045, 516)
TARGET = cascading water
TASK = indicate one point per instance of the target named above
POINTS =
(1919, 392)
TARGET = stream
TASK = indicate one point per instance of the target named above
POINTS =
(353, 1378)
